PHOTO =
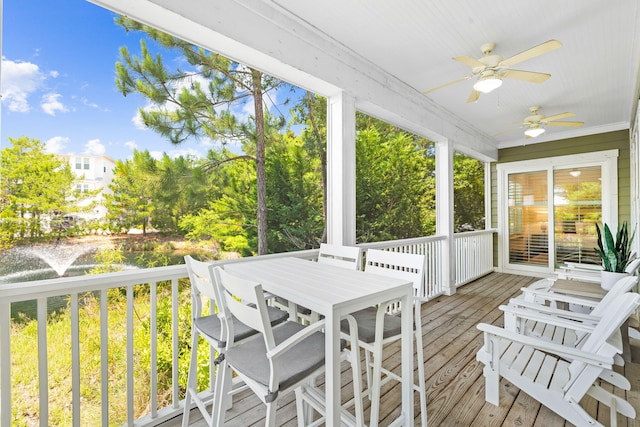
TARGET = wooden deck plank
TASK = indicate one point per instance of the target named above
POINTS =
(454, 380)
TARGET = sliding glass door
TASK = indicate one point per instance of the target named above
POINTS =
(528, 218)
(549, 209)
(577, 204)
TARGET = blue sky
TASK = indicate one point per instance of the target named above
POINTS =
(58, 82)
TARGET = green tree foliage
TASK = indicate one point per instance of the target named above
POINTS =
(468, 192)
(34, 186)
(295, 201)
(229, 216)
(395, 184)
(135, 182)
(183, 189)
(198, 102)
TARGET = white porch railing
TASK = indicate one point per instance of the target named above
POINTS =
(474, 255)
(152, 281)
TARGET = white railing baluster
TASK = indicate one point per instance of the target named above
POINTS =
(43, 373)
(174, 342)
(154, 350)
(75, 360)
(5, 364)
(104, 355)
(130, 390)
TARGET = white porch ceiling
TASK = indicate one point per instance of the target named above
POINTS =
(385, 53)
(594, 74)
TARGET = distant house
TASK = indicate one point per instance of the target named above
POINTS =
(92, 173)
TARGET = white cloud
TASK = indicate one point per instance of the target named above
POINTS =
(131, 145)
(56, 144)
(19, 80)
(94, 148)
(54, 74)
(51, 104)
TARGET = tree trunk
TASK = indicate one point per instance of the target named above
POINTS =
(261, 174)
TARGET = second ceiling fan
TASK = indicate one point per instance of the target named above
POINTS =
(491, 68)
(535, 123)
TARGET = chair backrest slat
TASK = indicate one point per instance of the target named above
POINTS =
(341, 256)
(244, 300)
(620, 287)
(622, 307)
(397, 264)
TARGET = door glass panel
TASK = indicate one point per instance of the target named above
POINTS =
(577, 195)
(528, 218)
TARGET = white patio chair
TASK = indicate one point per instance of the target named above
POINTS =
(210, 327)
(280, 359)
(556, 375)
(372, 339)
(349, 257)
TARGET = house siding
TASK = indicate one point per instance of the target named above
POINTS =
(605, 141)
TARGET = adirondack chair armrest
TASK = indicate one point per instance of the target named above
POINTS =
(557, 297)
(286, 345)
(569, 353)
(520, 306)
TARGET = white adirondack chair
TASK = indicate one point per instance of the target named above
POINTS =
(528, 315)
(558, 376)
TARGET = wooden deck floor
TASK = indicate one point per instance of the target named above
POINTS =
(455, 385)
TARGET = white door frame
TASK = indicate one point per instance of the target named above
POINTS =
(607, 160)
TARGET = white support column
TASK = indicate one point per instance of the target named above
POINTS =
(341, 169)
(444, 214)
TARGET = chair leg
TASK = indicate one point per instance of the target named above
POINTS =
(191, 377)
(270, 418)
(421, 378)
(222, 389)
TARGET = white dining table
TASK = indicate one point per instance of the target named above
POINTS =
(335, 292)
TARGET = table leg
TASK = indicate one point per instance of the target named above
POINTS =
(407, 360)
(332, 368)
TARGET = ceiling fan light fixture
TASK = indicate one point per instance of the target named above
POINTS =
(487, 84)
(533, 132)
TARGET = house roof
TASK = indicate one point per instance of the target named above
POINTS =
(384, 54)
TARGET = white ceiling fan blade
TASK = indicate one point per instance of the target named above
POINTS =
(468, 61)
(558, 117)
(570, 124)
(473, 96)
(529, 76)
(543, 48)
(446, 84)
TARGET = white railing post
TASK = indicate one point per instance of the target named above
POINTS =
(444, 214)
(5, 364)
(341, 167)
(43, 365)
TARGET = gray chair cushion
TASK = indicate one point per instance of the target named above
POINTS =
(211, 326)
(250, 358)
(366, 320)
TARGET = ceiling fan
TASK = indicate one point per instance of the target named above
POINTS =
(491, 69)
(534, 124)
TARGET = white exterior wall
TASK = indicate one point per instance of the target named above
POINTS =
(92, 173)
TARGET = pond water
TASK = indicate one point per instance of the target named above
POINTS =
(63, 259)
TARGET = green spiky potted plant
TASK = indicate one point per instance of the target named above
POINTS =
(615, 254)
